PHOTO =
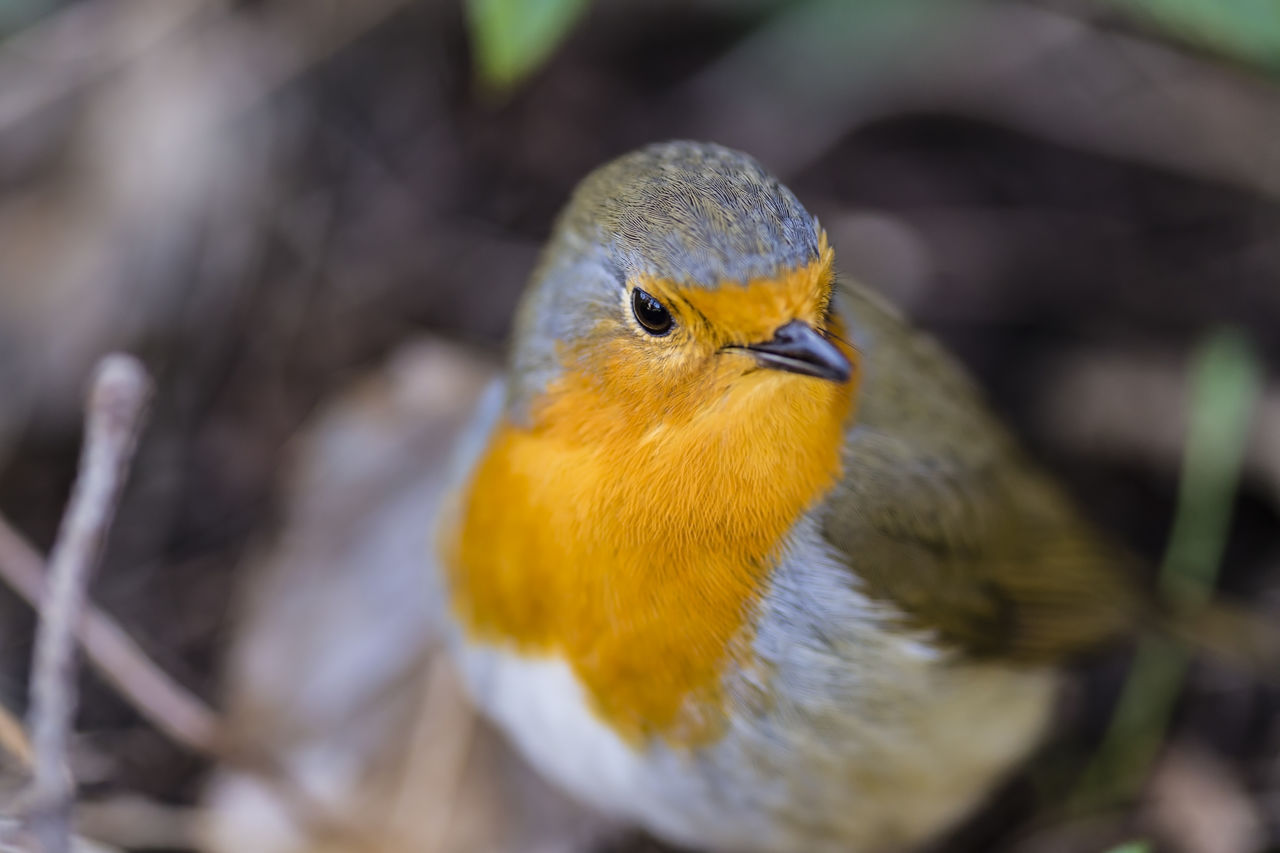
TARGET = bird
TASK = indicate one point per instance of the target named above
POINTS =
(735, 554)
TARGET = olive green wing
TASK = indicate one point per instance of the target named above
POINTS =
(939, 513)
(990, 562)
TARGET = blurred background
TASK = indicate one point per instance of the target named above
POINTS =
(266, 199)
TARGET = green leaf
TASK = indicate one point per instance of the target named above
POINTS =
(512, 38)
(1225, 381)
(1247, 30)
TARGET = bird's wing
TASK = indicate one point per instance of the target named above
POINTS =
(990, 562)
(941, 514)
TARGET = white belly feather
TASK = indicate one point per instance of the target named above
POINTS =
(860, 739)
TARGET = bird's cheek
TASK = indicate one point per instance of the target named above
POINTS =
(735, 362)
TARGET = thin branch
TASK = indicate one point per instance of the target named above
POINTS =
(116, 404)
(165, 704)
(117, 401)
(168, 706)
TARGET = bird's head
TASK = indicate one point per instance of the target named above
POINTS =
(681, 278)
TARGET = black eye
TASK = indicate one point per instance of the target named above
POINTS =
(650, 313)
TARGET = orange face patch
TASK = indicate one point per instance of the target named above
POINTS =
(750, 312)
(631, 528)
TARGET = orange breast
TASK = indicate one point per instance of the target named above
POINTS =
(637, 552)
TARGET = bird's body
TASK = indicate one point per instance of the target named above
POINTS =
(737, 555)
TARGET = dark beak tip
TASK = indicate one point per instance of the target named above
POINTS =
(799, 348)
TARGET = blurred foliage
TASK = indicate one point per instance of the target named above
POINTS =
(1226, 381)
(1132, 847)
(511, 38)
(1245, 30)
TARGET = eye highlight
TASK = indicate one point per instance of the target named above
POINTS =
(651, 314)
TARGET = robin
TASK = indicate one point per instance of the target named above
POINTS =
(740, 557)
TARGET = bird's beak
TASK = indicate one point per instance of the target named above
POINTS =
(798, 348)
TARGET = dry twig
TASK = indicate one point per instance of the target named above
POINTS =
(165, 704)
(168, 706)
(116, 404)
(117, 400)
